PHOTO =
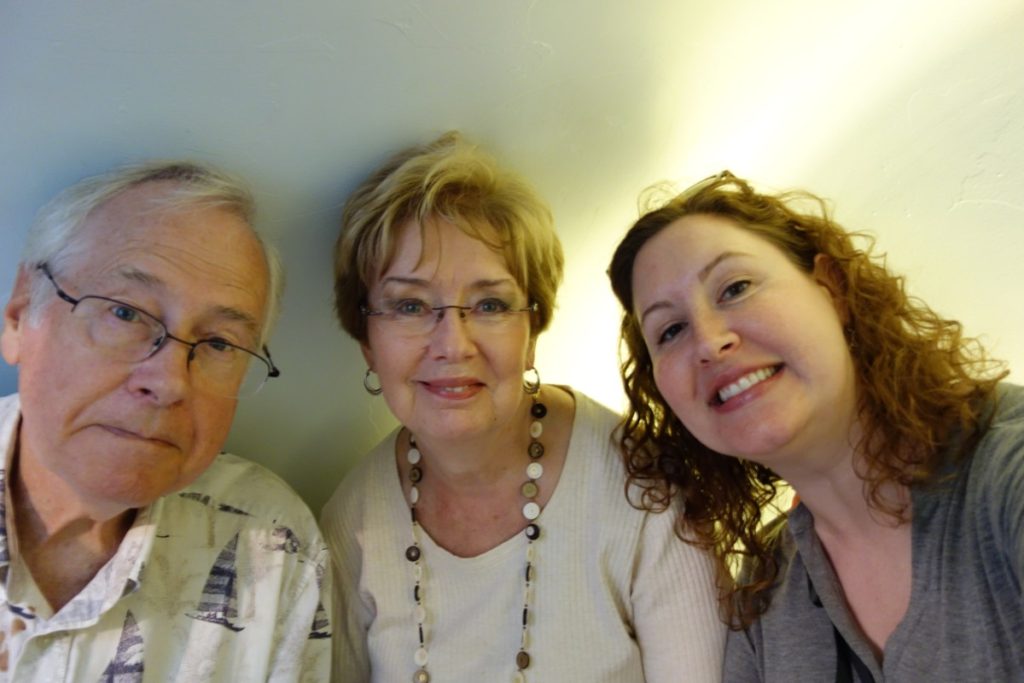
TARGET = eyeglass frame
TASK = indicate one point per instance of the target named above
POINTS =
(440, 310)
(161, 341)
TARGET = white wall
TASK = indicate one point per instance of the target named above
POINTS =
(908, 114)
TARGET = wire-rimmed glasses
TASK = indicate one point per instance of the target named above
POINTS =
(416, 318)
(129, 334)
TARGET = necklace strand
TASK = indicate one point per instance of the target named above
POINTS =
(530, 489)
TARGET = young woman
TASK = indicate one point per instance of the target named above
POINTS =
(765, 344)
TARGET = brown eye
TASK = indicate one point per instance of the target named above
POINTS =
(670, 333)
(735, 289)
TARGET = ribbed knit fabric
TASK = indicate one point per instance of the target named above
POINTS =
(619, 598)
(965, 620)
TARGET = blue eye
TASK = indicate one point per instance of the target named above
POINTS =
(411, 308)
(125, 313)
(735, 289)
(219, 345)
(491, 306)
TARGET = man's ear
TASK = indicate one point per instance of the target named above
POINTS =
(16, 316)
(831, 278)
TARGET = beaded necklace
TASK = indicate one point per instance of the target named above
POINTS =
(530, 511)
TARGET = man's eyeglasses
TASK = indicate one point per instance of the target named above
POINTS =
(415, 318)
(129, 334)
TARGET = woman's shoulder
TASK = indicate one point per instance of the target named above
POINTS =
(594, 420)
(1010, 410)
(366, 481)
(1002, 444)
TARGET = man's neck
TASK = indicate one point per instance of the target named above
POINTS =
(63, 545)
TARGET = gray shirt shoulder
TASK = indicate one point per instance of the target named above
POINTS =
(965, 621)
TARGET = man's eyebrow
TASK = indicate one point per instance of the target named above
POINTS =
(702, 275)
(229, 313)
(240, 316)
(141, 277)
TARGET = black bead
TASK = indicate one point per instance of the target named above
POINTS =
(532, 532)
(538, 410)
(412, 553)
(416, 593)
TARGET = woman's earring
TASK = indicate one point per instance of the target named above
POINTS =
(532, 387)
(375, 390)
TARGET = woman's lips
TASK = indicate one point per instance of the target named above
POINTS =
(737, 388)
(453, 389)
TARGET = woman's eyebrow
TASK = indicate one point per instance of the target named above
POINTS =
(702, 275)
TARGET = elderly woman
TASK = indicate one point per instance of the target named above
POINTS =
(488, 538)
(764, 344)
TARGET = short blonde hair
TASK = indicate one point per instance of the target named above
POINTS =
(452, 179)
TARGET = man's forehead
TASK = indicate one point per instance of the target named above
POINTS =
(207, 254)
(211, 306)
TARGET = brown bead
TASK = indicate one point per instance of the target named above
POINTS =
(421, 676)
(415, 474)
(529, 489)
(536, 449)
(522, 659)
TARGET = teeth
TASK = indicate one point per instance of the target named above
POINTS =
(744, 383)
(455, 390)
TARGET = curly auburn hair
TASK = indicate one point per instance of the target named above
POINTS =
(920, 382)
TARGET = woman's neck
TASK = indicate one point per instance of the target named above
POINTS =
(480, 460)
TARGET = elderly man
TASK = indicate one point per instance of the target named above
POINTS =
(129, 549)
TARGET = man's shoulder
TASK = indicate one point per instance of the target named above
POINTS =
(242, 489)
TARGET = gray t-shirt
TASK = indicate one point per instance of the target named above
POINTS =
(965, 621)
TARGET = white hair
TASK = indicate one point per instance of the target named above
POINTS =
(55, 235)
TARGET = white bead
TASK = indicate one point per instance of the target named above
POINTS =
(417, 571)
(413, 456)
(531, 511)
(525, 640)
(420, 613)
(518, 677)
(536, 429)
(421, 656)
(534, 470)
(529, 552)
(414, 495)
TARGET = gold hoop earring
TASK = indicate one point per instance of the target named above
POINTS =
(374, 390)
(532, 387)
